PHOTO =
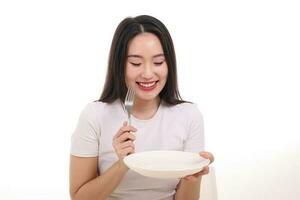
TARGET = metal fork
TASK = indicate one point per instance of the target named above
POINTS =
(129, 100)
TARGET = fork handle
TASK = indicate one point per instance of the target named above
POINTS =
(129, 120)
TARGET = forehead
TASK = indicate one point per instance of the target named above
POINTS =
(145, 44)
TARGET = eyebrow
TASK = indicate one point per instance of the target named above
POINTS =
(138, 56)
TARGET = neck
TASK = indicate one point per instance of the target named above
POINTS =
(145, 109)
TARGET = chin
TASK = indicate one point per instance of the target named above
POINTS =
(147, 97)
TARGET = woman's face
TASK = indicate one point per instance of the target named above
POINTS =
(146, 69)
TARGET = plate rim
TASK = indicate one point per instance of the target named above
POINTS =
(126, 161)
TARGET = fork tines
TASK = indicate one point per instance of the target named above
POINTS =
(129, 97)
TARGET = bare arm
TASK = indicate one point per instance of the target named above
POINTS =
(189, 186)
(84, 182)
(188, 189)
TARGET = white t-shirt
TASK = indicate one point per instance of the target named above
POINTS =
(178, 127)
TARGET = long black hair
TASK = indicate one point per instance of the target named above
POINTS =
(115, 87)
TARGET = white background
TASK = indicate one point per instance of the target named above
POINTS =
(238, 60)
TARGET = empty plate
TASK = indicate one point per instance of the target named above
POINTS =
(166, 164)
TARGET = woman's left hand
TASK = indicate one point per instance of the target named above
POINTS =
(205, 170)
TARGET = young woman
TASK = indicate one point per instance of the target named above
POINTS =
(142, 57)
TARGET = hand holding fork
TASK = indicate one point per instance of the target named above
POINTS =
(123, 140)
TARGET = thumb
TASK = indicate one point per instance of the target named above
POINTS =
(207, 155)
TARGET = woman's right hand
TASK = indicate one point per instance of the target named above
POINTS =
(123, 141)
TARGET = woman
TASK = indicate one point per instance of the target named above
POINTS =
(141, 57)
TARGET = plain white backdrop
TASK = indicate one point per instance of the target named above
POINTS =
(238, 60)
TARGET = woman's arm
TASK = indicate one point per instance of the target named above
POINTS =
(189, 186)
(188, 189)
(84, 180)
(86, 184)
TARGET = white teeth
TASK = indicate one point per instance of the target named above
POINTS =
(147, 85)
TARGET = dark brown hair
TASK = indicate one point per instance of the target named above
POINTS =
(115, 86)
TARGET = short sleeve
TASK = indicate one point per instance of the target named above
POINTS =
(195, 139)
(84, 140)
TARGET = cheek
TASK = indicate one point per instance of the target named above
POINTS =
(164, 72)
(129, 74)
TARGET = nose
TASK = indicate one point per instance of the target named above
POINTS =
(147, 72)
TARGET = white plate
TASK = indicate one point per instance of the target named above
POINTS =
(166, 164)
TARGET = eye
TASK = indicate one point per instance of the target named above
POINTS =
(158, 63)
(136, 64)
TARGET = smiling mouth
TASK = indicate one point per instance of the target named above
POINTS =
(147, 86)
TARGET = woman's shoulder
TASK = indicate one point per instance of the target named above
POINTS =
(185, 108)
(97, 108)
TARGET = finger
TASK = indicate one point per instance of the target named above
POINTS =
(125, 136)
(204, 171)
(123, 151)
(206, 168)
(128, 128)
(191, 178)
(187, 178)
(128, 150)
(124, 145)
(124, 129)
(131, 128)
(119, 148)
